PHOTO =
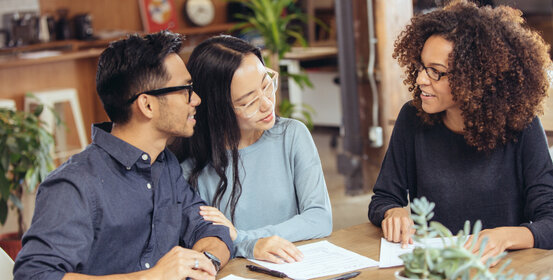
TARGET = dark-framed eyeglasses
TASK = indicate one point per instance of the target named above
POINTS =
(186, 90)
(431, 72)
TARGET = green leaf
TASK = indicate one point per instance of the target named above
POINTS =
(441, 229)
(3, 211)
(4, 187)
(38, 110)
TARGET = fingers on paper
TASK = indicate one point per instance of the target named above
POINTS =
(276, 249)
(398, 230)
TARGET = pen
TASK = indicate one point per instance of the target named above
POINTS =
(346, 276)
(267, 271)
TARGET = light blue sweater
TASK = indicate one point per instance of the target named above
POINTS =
(283, 188)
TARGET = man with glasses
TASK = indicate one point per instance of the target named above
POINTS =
(122, 207)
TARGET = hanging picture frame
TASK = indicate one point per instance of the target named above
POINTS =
(158, 15)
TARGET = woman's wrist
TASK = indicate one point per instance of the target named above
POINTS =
(519, 237)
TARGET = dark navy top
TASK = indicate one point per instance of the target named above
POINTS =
(509, 186)
(107, 210)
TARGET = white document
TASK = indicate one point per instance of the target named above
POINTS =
(390, 252)
(234, 277)
(321, 259)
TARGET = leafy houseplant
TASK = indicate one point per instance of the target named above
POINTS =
(25, 158)
(279, 23)
(452, 261)
(287, 109)
(268, 17)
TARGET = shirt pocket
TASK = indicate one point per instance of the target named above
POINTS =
(168, 226)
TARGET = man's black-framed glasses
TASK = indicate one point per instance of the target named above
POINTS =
(431, 72)
(186, 90)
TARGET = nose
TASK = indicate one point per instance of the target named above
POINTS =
(195, 100)
(266, 103)
(422, 78)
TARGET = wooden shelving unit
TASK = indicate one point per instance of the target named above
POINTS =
(215, 28)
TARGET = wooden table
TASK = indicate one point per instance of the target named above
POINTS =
(364, 239)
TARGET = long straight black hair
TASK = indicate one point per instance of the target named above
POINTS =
(212, 65)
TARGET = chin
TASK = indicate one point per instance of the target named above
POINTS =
(267, 125)
(430, 109)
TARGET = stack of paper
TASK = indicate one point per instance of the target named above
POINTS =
(321, 259)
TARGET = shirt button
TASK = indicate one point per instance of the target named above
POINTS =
(128, 168)
(149, 186)
(145, 157)
(147, 265)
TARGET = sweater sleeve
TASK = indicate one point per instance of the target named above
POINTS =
(398, 168)
(537, 170)
(314, 218)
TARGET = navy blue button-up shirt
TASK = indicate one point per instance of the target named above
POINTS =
(108, 210)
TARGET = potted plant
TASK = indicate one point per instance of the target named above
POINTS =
(452, 261)
(279, 22)
(270, 20)
(25, 160)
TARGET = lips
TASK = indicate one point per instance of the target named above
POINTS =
(191, 117)
(267, 118)
(424, 94)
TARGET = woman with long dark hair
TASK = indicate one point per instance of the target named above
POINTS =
(261, 173)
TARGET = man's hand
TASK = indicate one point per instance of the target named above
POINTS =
(397, 226)
(215, 216)
(501, 239)
(276, 249)
(179, 263)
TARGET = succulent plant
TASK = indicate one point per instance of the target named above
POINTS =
(453, 261)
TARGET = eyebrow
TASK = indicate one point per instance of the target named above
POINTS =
(250, 93)
(437, 64)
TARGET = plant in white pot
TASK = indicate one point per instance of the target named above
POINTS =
(452, 261)
(25, 159)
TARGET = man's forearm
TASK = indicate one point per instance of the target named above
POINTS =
(129, 276)
(215, 246)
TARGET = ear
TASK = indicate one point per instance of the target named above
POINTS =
(146, 106)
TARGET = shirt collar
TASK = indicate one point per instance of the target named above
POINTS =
(120, 150)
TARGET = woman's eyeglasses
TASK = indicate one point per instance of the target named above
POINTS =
(431, 72)
(186, 90)
(268, 92)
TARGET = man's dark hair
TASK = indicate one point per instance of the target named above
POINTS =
(133, 65)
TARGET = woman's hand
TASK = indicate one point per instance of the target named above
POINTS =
(397, 226)
(215, 216)
(501, 239)
(277, 250)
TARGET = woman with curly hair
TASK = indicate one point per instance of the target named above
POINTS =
(470, 140)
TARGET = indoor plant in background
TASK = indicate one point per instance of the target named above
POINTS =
(279, 22)
(25, 160)
(452, 261)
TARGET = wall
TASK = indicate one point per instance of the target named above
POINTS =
(123, 14)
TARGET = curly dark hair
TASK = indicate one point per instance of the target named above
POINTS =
(497, 69)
